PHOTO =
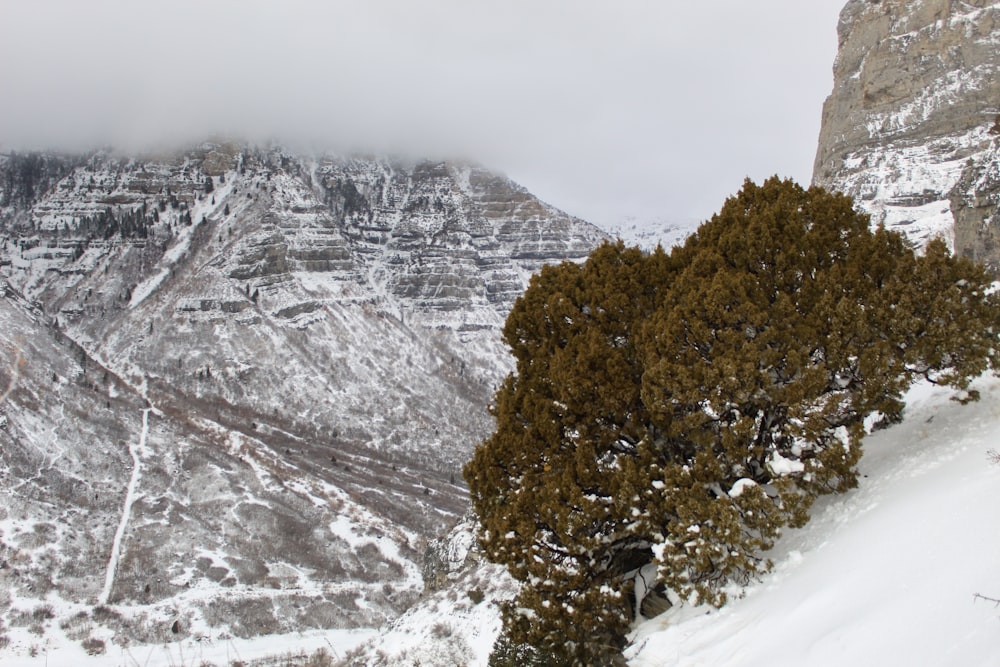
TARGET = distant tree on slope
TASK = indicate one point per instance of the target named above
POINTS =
(670, 413)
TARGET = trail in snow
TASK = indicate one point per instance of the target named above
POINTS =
(130, 494)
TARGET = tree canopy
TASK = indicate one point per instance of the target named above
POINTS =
(669, 414)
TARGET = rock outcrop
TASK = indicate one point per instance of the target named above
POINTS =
(916, 95)
(975, 203)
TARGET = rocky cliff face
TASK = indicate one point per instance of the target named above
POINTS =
(266, 373)
(909, 128)
(975, 204)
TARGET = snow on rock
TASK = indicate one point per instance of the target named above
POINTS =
(913, 106)
(740, 486)
(457, 621)
(781, 466)
(318, 338)
(647, 234)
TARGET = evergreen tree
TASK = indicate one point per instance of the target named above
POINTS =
(675, 412)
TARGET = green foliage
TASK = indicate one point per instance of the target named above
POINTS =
(507, 653)
(681, 409)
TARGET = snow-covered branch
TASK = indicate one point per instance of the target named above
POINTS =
(996, 602)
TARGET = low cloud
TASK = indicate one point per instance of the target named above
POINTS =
(604, 109)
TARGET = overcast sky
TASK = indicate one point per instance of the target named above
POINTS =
(606, 109)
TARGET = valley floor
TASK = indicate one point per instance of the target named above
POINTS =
(282, 649)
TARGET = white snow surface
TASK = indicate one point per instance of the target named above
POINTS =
(649, 233)
(271, 650)
(887, 574)
(182, 243)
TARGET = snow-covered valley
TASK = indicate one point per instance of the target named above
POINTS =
(242, 385)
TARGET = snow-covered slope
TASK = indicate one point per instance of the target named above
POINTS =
(896, 572)
(124, 523)
(647, 234)
(458, 619)
(887, 574)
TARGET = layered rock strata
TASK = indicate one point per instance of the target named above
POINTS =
(266, 371)
(909, 129)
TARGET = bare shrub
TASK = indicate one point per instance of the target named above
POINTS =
(319, 659)
(103, 614)
(141, 629)
(19, 617)
(77, 627)
(355, 655)
(442, 630)
(43, 612)
(93, 646)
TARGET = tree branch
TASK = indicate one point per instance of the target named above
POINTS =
(977, 596)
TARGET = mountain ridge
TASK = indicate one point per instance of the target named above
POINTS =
(307, 346)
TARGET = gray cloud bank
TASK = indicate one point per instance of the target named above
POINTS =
(606, 109)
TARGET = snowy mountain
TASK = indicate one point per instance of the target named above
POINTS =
(647, 234)
(910, 129)
(237, 386)
(878, 576)
(125, 522)
(887, 573)
(243, 383)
